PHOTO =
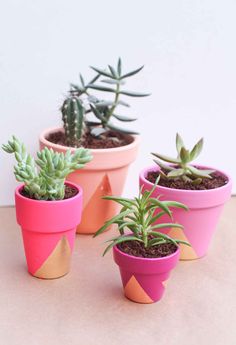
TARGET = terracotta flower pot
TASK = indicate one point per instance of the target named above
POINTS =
(48, 230)
(144, 279)
(104, 175)
(205, 207)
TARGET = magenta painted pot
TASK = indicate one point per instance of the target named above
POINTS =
(205, 207)
(48, 230)
(144, 279)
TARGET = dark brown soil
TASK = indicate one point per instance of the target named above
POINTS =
(69, 193)
(108, 140)
(217, 180)
(136, 248)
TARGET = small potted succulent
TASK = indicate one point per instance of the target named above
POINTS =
(145, 256)
(48, 209)
(204, 190)
(93, 123)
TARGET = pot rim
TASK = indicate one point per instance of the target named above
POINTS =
(137, 258)
(78, 195)
(46, 142)
(185, 191)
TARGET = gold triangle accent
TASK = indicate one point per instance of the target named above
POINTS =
(135, 292)
(58, 262)
(186, 252)
(98, 210)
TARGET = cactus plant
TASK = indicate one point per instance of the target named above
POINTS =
(73, 117)
(49, 182)
(181, 168)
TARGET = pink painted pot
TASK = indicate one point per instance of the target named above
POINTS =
(104, 175)
(205, 207)
(48, 230)
(144, 279)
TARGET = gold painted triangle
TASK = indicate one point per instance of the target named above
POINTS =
(186, 252)
(98, 209)
(135, 292)
(58, 262)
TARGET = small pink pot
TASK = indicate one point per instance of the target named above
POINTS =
(205, 207)
(104, 175)
(48, 230)
(144, 279)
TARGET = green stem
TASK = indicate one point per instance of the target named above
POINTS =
(115, 102)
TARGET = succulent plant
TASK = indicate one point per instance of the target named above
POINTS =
(49, 182)
(138, 216)
(181, 169)
(105, 110)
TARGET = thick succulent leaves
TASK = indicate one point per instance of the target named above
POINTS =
(197, 149)
(156, 217)
(163, 166)
(121, 240)
(110, 125)
(167, 158)
(179, 143)
(200, 172)
(112, 221)
(124, 118)
(184, 156)
(130, 74)
(176, 173)
(97, 113)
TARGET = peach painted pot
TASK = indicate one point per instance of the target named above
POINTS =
(205, 207)
(48, 230)
(104, 175)
(144, 280)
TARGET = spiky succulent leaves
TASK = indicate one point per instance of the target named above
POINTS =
(181, 167)
(47, 182)
(74, 122)
(137, 217)
(106, 110)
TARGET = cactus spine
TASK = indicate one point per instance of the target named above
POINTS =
(73, 117)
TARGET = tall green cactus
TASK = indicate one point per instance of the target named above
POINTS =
(49, 182)
(73, 117)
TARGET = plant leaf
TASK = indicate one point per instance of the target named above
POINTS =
(200, 172)
(175, 204)
(119, 67)
(118, 129)
(120, 240)
(163, 166)
(132, 73)
(166, 158)
(102, 72)
(166, 225)
(197, 149)
(101, 88)
(124, 118)
(133, 94)
(175, 173)
(113, 81)
(179, 143)
(112, 221)
(184, 155)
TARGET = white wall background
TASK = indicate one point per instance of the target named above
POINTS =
(187, 46)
